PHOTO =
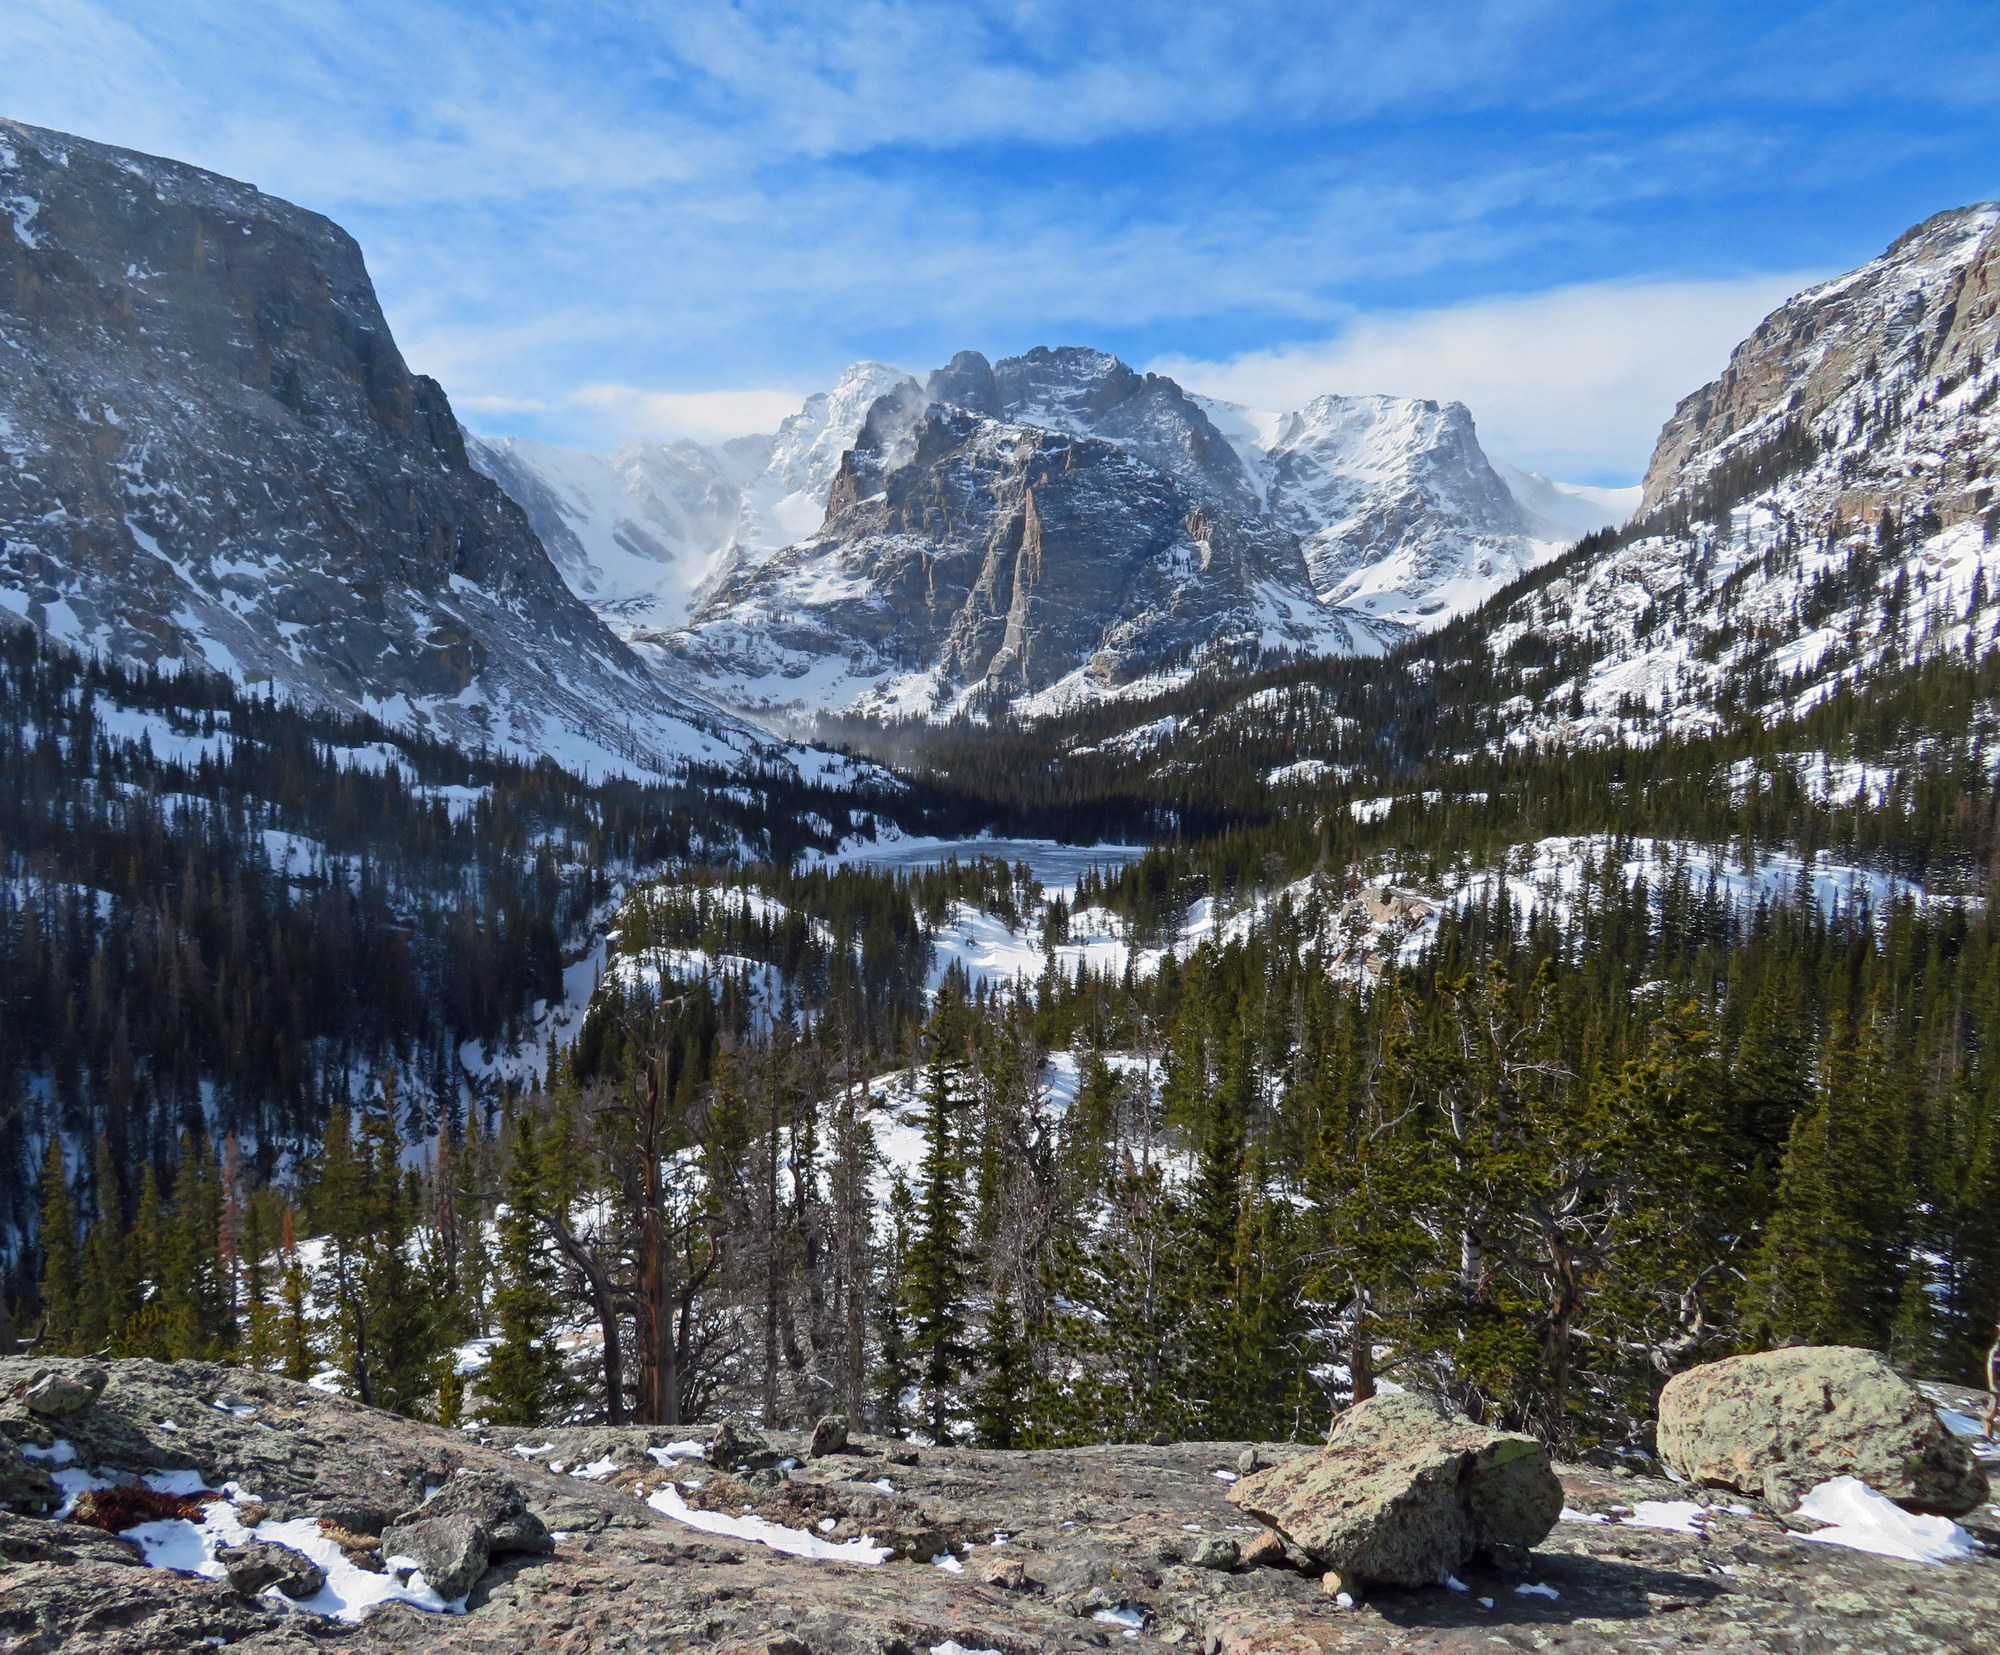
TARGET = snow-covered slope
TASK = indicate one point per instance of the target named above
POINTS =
(1823, 510)
(641, 533)
(1399, 510)
(787, 500)
(636, 533)
(212, 453)
(1566, 511)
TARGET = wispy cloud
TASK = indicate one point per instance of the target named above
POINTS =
(604, 415)
(686, 195)
(1575, 382)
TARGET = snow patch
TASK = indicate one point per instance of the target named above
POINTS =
(1865, 1521)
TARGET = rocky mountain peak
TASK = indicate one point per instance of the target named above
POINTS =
(966, 381)
(1091, 393)
(215, 455)
(1822, 510)
(1923, 311)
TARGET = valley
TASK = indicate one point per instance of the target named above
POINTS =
(1029, 912)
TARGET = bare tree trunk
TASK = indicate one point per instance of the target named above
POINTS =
(852, 1215)
(773, 1255)
(604, 1302)
(659, 1383)
(1993, 1384)
(1361, 1349)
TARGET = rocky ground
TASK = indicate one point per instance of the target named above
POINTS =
(1040, 1550)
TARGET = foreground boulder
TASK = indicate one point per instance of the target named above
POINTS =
(453, 1535)
(1777, 1423)
(1405, 1493)
(497, 1505)
(736, 1447)
(59, 1395)
(257, 1567)
(452, 1550)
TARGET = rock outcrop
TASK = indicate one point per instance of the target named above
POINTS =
(1405, 1493)
(1041, 1551)
(1779, 1422)
(1848, 458)
(212, 454)
(966, 557)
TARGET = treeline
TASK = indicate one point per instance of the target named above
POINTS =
(1537, 1172)
(220, 916)
(1273, 751)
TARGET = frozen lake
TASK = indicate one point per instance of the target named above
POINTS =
(1057, 866)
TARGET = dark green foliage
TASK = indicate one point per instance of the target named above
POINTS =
(524, 1382)
(935, 1265)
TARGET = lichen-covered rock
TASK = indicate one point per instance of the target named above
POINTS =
(1217, 1551)
(40, 1540)
(25, 1487)
(451, 1550)
(65, 1392)
(1779, 1422)
(1404, 1493)
(258, 1566)
(829, 1437)
(496, 1504)
(735, 1445)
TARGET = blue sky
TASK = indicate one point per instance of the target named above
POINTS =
(613, 219)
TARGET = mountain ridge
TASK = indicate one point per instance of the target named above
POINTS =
(212, 451)
(1403, 525)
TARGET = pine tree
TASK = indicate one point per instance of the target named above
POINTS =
(1000, 1402)
(411, 1309)
(934, 1282)
(295, 1327)
(110, 1292)
(148, 1331)
(523, 1383)
(61, 1279)
(1830, 1266)
(894, 1374)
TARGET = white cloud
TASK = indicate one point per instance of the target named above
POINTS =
(704, 415)
(1574, 382)
(603, 416)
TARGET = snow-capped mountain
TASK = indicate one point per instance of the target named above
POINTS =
(212, 453)
(727, 561)
(1822, 511)
(1399, 511)
(641, 533)
(968, 557)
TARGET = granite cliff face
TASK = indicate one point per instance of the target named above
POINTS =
(1342, 525)
(1900, 347)
(1824, 510)
(212, 453)
(967, 555)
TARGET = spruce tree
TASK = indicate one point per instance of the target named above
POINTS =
(934, 1280)
(61, 1279)
(1000, 1400)
(110, 1292)
(894, 1373)
(523, 1382)
(1830, 1265)
(295, 1336)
